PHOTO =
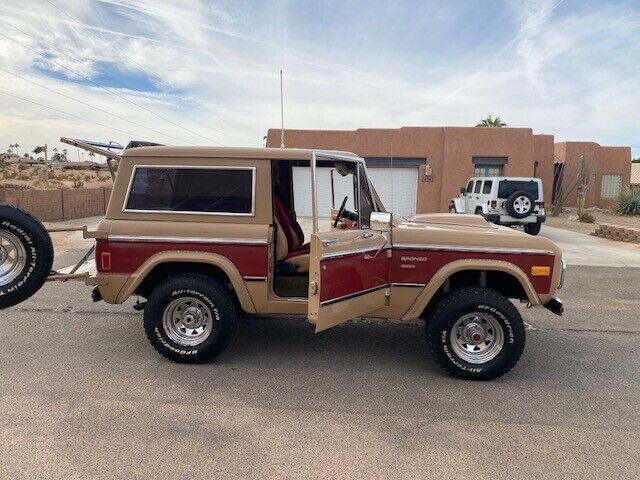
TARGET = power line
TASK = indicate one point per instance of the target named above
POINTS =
(120, 52)
(89, 105)
(64, 113)
(53, 62)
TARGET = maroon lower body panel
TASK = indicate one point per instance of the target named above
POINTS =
(351, 275)
(127, 257)
(418, 266)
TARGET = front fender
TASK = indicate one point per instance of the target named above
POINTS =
(445, 272)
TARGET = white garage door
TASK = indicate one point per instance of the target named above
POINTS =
(405, 189)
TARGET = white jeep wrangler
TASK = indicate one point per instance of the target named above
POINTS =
(503, 201)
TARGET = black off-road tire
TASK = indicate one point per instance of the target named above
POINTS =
(455, 306)
(532, 228)
(211, 295)
(509, 204)
(20, 228)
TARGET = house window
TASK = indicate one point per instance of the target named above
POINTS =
(204, 190)
(487, 171)
(611, 186)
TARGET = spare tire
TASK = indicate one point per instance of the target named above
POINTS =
(26, 255)
(520, 204)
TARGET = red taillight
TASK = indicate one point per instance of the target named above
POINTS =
(494, 203)
(540, 204)
(105, 261)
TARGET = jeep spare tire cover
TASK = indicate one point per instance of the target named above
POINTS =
(520, 204)
(26, 255)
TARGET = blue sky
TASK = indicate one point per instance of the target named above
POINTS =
(198, 72)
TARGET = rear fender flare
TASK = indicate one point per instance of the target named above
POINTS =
(177, 256)
(445, 272)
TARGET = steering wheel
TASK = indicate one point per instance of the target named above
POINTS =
(340, 212)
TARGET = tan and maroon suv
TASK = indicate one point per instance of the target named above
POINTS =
(206, 234)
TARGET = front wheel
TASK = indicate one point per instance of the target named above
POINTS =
(475, 333)
(189, 318)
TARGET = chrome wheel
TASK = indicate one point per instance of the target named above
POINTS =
(522, 204)
(477, 338)
(187, 321)
(13, 257)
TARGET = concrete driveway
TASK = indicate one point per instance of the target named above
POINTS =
(582, 249)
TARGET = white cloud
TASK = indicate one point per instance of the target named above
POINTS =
(567, 70)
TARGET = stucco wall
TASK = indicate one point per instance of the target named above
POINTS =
(448, 150)
(60, 204)
(601, 160)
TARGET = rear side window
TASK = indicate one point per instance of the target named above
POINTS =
(469, 187)
(507, 187)
(486, 188)
(209, 190)
(478, 187)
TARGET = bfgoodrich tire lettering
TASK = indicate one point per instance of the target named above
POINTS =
(26, 255)
(472, 303)
(213, 311)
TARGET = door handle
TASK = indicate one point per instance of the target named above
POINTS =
(367, 234)
(329, 241)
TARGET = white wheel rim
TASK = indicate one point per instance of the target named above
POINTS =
(13, 257)
(187, 321)
(522, 204)
(477, 338)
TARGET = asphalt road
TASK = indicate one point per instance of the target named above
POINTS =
(84, 395)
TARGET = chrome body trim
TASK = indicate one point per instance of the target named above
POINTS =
(250, 278)
(468, 248)
(353, 295)
(314, 193)
(346, 253)
(193, 167)
(401, 284)
(204, 240)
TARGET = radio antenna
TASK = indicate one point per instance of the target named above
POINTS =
(281, 112)
(391, 175)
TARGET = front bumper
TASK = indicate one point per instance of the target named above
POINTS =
(555, 305)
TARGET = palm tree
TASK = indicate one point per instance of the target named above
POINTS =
(17, 147)
(491, 122)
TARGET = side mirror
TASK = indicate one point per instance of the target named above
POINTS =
(463, 190)
(380, 221)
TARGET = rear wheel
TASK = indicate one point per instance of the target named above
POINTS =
(189, 318)
(26, 255)
(532, 228)
(475, 333)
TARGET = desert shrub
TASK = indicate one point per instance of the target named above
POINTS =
(10, 174)
(78, 184)
(587, 217)
(628, 203)
(87, 177)
(23, 176)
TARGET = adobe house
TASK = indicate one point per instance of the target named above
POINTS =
(430, 164)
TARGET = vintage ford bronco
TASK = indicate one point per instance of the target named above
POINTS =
(205, 234)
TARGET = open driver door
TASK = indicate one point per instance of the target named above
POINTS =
(348, 275)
